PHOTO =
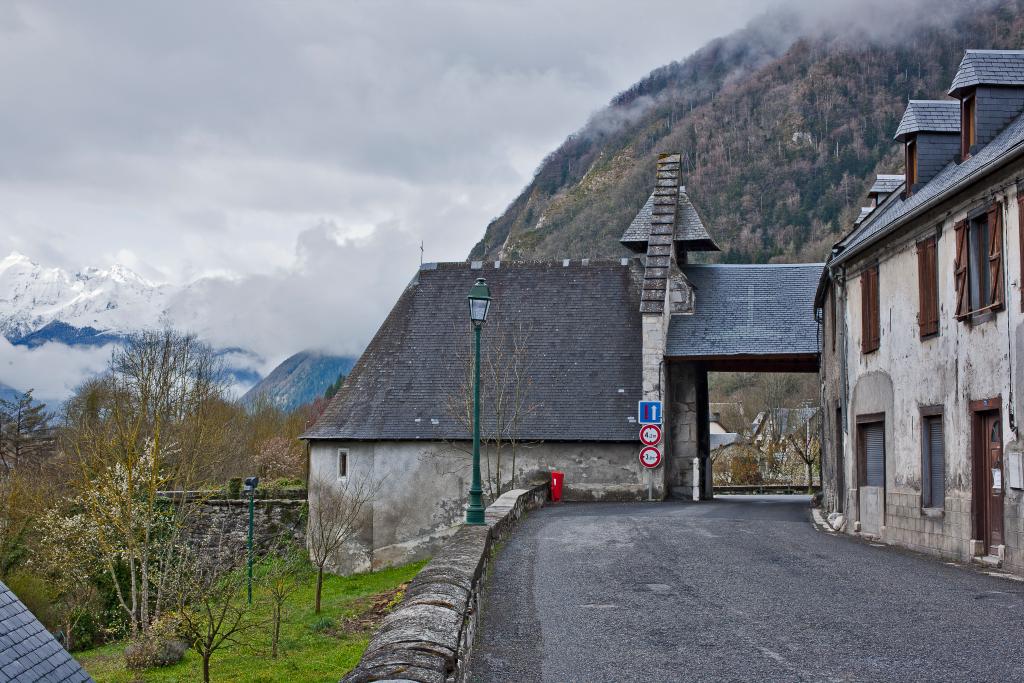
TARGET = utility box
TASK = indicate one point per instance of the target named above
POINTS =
(556, 486)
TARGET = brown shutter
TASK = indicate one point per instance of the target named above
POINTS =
(963, 304)
(928, 307)
(995, 255)
(865, 311)
(870, 332)
(876, 331)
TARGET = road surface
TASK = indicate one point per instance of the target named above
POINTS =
(737, 589)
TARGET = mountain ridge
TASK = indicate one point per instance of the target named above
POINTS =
(781, 128)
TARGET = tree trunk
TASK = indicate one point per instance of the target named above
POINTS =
(319, 587)
(277, 631)
(206, 667)
(67, 635)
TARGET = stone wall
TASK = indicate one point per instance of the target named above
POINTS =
(220, 528)
(429, 636)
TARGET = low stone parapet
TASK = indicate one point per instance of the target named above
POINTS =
(429, 636)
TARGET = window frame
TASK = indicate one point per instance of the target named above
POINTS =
(930, 414)
(968, 124)
(911, 163)
(341, 464)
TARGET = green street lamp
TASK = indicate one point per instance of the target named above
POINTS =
(250, 487)
(479, 304)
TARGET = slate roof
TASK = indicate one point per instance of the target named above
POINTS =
(689, 227)
(583, 339)
(931, 116)
(865, 211)
(988, 67)
(746, 310)
(886, 184)
(949, 180)
(27, 650)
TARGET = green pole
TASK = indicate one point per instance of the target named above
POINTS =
(475, 510)
(252, 498)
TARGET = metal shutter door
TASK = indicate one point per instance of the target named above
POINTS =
(874, 450)
(936, 453)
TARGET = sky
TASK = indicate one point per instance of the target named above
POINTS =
(294, 155)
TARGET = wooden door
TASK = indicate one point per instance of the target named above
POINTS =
(988, 472)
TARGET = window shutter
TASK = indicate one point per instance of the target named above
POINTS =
(928, 307)
(937, 469)
(876, 332)
(865, 311)
(874, 453)
(995, 255)
(963, 306)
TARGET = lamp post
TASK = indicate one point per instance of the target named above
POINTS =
(479, 303)
(250, 487)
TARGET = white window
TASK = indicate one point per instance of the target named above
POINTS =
(342, 463)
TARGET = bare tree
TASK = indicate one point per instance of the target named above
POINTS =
(148, 424)
(280, 575)
(807, 446)
(506, 397)
(213, 610)
(335, 516)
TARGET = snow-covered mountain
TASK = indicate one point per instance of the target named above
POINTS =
(114, 300)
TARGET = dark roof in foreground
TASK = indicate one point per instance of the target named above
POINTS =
(581, 330)
(929, 116)
(27, 650)
(748, 310)
(989, 67)
(689, 227)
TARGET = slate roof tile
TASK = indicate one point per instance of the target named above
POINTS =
(988, 67)
(28, 652)
(690, 228)
(747, 310)
(989, 156)
(886, 183)
(582, 325)
(931, 116)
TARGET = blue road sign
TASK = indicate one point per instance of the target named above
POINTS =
(650, 413)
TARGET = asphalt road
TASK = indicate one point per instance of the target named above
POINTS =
(737, 589)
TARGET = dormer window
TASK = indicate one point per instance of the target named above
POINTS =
(968, 118)
(911, 164)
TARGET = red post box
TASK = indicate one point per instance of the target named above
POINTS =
(556, 486)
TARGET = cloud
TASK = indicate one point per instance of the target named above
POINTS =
(53, 370)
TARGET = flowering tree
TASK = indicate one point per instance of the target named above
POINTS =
(66, 556)
(149, 424)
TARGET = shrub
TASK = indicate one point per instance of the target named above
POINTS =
(158, 646)
(235, 487)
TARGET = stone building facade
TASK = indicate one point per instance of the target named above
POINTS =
(924, 334)
(569, 349)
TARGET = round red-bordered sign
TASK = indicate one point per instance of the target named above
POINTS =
(650, 457)
(650, 435)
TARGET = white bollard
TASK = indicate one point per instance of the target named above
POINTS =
(696, 478)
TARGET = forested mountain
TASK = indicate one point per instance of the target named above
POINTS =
(782, 127)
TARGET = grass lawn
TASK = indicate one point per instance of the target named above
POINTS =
(306, 654)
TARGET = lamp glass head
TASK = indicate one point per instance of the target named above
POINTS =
(479, 302)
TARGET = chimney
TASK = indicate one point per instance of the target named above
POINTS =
(990, 88)
(930, 133)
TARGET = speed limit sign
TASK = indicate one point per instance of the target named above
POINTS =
(650, 457)
(650, 435)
